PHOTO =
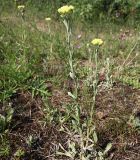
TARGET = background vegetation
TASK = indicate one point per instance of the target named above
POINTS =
(115, 10)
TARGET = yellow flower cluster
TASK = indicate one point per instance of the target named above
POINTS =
(48, 19)
(21, 7)
(97, 42)
(65, 9)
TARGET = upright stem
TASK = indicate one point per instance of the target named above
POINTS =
(96, 71)
(95, 83)
(70, 48)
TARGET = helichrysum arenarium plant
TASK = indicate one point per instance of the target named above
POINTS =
(87, 137)
(96, 43)
(48, 20)
(21, 9)
(65, 13)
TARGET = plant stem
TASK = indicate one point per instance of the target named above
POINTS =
(95, 83)
(70, 49)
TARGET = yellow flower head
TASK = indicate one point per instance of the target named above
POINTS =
(65, 9)
(97, 42)
(21, 7)
(48, 19)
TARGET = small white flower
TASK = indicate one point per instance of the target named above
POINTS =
(48, 19)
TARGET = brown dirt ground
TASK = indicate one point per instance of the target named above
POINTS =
(114, 108)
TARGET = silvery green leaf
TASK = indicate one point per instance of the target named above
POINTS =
(61, 129)
(95, 137)
(68, 154)
(72, 75)
(108, 147)
(72, 146)
(60, 153)
(9, 115)
(90, 147)
(100, 154)
(2, 118)
(71, 95)
(84, 158)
